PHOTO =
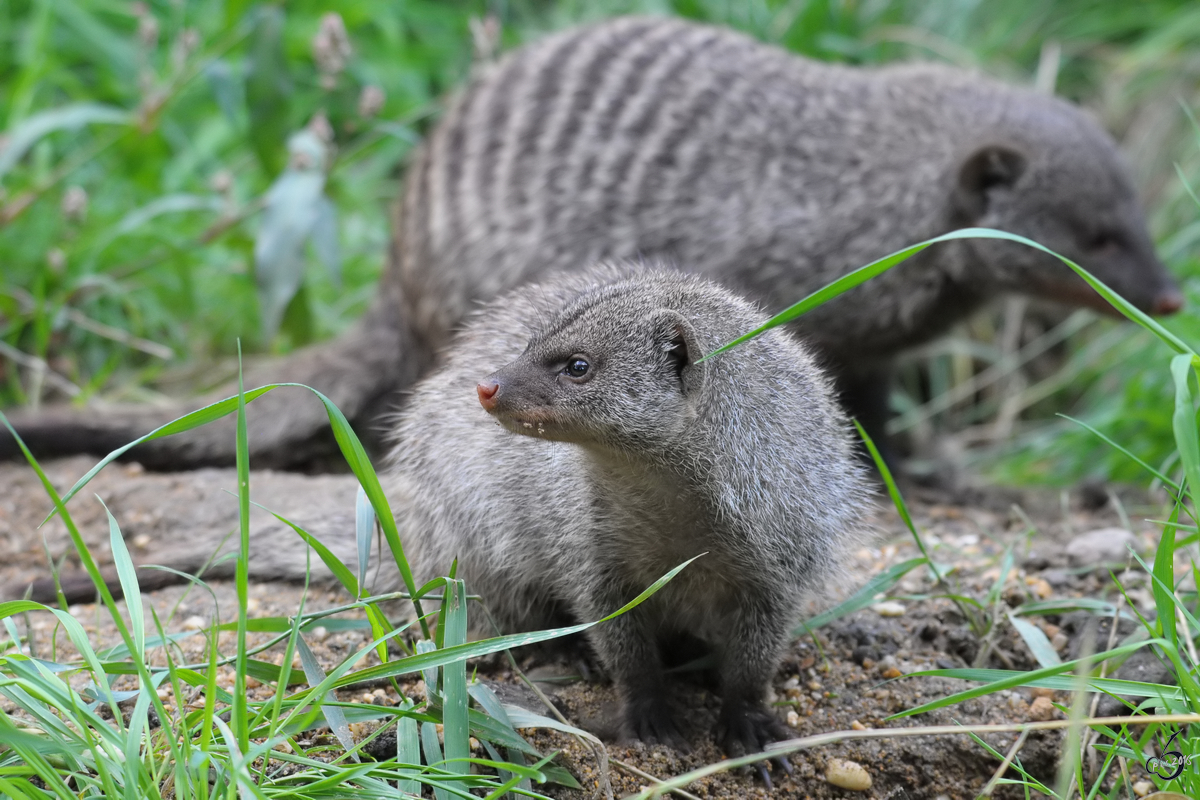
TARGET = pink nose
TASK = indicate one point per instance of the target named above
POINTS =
(1168, 303)
(487, 394)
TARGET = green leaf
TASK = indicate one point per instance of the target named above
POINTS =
(268, 89)
(1036, 641)
(127, 574)
(333, 714)
(455, 731)
(293, 209)
(1012, 679)
(28, 132)
(865, 273)
(862, 598)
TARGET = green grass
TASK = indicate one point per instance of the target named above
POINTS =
(61, 740)
(149, 218)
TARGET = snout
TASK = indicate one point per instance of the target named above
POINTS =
(1167, 302)
(488, 391)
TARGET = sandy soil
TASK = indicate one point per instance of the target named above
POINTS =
(847, 676)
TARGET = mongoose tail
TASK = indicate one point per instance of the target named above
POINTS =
(359, 370)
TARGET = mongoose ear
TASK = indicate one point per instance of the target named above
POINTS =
(677, 338)
(990, 167)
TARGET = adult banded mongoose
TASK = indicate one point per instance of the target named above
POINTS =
(618, 456)
(766, 172)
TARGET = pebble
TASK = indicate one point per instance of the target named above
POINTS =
(318, 634)
(892, 672)
(793, 719)
(847, 774)
(1101, 546)
(195, 623)
(858, 726)
(889, 608)
(1040, 587)
(1142, 788)
(1042, 709)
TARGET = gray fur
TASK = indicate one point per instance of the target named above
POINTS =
(766, 172)
(591, 491)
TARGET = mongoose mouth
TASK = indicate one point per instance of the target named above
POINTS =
(525, 422)
(1075, 292)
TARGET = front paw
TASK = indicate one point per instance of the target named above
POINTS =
(651, 720)
(745, 728)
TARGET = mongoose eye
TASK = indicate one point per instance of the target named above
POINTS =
(576, 367)
(1103, 242)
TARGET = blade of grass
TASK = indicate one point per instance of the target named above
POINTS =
(455, 731)
(865, 273)
(863, 597)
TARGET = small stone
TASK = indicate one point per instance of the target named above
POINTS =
(1142, 788)
(1059, 641)
(142, 541)
(319, 633)
(892, 672)
(793, 719)
(1056, 577)
(1040, 588)
(252, 682)
(1042, 691)
(847, 774)
(195, 623)
(1042, 709)
(814, 685)
(252, 604)
(858, 726)
(164, 693)
(1101, 546)
(889, 608)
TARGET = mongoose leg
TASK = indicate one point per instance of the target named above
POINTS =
(627, 647)
(748, 661)
(865, 398)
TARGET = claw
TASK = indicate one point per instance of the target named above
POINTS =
(783, 763)
(765, 775)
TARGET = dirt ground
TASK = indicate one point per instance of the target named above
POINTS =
(848, 676)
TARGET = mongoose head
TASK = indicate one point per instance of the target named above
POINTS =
(1051, 174)
(615, 369)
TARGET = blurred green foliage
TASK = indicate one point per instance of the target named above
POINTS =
(144, 140)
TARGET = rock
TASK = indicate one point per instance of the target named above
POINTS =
(1101, 546)
(847, 775)
(793, 719)
(1142, 788)
(889, 608)
(1042, 709)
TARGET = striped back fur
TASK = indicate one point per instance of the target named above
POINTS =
(661, 138)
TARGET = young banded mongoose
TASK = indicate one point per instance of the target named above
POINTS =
(766, 172)
(618, 456)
